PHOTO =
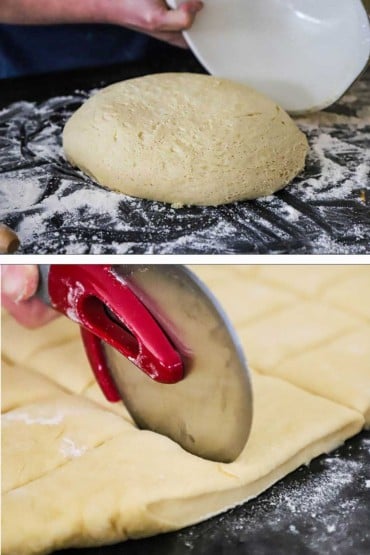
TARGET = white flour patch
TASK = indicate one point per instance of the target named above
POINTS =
(31, 419)
(27, 191)
(290, 213)
(70, 449)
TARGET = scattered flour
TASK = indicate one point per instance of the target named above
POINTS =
(27, 190)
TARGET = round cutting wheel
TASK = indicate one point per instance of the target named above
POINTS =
(209, 412)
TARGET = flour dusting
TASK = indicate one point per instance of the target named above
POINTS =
(70, 449)
(31, 419)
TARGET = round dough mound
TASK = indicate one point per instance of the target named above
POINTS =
(185, 138)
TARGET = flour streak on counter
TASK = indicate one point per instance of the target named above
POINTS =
(55, 208)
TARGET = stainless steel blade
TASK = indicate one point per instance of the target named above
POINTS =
(209, 412)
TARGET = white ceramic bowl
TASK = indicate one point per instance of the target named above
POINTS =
(302, 53)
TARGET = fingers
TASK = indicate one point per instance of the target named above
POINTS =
(163, 19)
(166, 25)
(31, 314)
(18, 286)
(180, 19)
(19, 283)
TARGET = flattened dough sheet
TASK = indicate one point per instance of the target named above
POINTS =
(80, 473)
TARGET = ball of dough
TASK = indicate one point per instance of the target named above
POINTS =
(185, 138)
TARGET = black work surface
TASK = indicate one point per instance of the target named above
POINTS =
(56, 209)
(322, 508)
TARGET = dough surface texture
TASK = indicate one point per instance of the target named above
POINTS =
(185, 139)
(79, 471)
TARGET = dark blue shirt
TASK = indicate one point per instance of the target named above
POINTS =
(30, 49)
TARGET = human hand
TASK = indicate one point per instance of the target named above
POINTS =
(18, 287)
(154, 18)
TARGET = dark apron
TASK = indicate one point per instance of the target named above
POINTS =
(30, 49)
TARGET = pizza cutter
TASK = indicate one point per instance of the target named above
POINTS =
(157, 339)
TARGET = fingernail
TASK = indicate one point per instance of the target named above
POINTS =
(13, 282)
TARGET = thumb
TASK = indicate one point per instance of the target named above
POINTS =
(19, 283)
(179, 19)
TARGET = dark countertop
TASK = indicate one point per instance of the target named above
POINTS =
(55, 209)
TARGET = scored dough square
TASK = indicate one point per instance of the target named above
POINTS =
(33, 340)
(255, 299)
(142, 483)
(34, 387)
(40, 437)
(212, 275)
(338, 370)
(306, 280)
(95, 393)
(66, 364)
(353, 294)
(293, 330)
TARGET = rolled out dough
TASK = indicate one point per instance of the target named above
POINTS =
(185, 139)
(80, 474)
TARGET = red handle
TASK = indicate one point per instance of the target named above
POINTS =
(98, 363)
(84, 292)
